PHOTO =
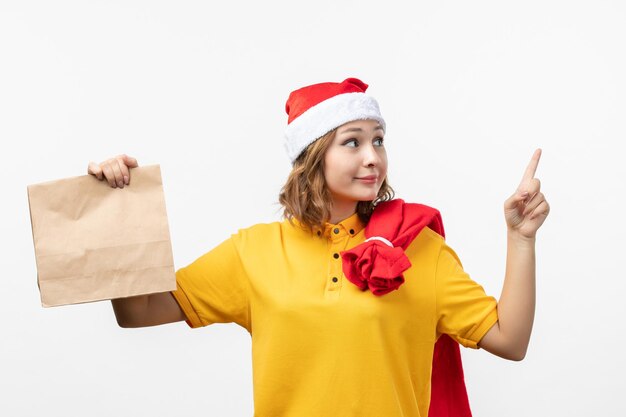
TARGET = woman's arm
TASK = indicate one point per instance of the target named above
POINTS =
(147, 310)
(143, 310)
(525, 211)
(510, 336)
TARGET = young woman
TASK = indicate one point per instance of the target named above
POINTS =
(350, 297)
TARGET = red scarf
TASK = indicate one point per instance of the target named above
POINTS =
(376, 265)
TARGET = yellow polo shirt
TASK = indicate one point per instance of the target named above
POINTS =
(321, 346)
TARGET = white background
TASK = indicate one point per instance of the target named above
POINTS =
(468, 89)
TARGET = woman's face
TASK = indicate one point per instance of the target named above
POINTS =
(355, 164)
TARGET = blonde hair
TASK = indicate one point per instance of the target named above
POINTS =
(305, 195)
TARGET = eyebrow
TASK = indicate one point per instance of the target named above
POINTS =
(358, 129)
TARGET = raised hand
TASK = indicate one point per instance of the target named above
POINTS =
(527, 209)
(115, 170)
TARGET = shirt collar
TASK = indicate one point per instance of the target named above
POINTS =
(349, 226)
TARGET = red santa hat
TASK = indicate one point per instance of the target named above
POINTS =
(317, 109)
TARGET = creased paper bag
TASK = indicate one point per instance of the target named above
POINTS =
(94, 242)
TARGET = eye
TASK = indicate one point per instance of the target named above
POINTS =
(352, 143)
(379, 141)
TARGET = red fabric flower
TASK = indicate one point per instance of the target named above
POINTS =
(375, 264)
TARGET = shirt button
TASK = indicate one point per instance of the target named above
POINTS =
(335, 255)
(336, 231)
(335, 279)
(351, 231)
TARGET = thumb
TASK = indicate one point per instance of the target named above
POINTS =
(514, 200)
(130, 161)
(94, 169)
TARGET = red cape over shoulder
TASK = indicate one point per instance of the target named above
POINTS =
(376, 266)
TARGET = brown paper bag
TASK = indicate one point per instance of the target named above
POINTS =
(94, 242)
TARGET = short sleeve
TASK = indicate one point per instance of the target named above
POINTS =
(464, 311)
(214, 288)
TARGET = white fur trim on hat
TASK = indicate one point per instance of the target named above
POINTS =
(326, 116)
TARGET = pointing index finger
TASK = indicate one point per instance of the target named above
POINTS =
(532, 166)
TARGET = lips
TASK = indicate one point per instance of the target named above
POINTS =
(369, 177)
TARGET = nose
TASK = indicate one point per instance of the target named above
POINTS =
(371, 156)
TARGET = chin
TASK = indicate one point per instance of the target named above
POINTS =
(357, 195)
(367, 197)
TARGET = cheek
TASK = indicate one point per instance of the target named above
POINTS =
(383, 163)
(334, 178)
(334, 168)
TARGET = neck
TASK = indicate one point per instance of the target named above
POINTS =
(342, 210)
